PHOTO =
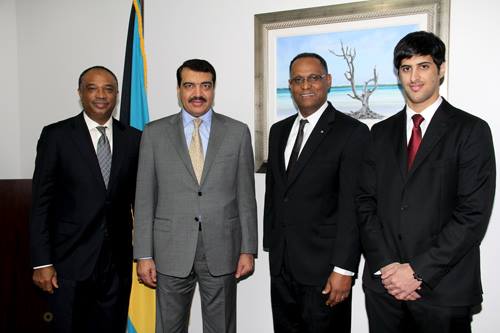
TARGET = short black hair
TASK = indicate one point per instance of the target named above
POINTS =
(80, 79)
(309, 55)
(197, 65)
(420, 43)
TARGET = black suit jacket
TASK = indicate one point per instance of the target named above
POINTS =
(312, 211)
(72, 210)
(435, 215)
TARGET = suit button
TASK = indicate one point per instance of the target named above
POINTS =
(404, 207)
(197, 219)
(286, 199)
(199, 194)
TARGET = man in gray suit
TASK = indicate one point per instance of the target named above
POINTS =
(196, 218)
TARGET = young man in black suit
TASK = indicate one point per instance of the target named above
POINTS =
(310, 227)
(424, 203)
(83, 191)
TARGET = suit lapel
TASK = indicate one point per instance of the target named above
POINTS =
(178, 138)
(83, 141)
(284, 134)
(437, 128)
(119, 146)
(319, 132)
(217, 133)
(400, 146)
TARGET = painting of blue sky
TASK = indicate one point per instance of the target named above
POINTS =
(374, 48)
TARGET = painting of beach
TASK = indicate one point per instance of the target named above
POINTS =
(373, 51)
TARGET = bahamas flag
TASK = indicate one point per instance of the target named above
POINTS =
(134, 111)
(134, 102)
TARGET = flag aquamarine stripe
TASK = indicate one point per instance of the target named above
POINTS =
(139, 114)
(130, 327)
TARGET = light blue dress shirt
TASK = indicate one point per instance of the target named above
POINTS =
(206, 123)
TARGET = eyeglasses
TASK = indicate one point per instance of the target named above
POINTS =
(313, 78)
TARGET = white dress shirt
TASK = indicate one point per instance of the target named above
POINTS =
(308, 128)
(94, 132)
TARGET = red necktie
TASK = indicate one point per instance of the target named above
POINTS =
(416, 138)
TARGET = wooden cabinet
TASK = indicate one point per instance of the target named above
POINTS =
(23, 308)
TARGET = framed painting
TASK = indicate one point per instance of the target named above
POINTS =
(356, 40)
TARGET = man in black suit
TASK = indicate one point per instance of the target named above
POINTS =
(310, 227)
(83, 191)
(425, 199)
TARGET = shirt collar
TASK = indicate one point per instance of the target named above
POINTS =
(91, 124)
(187, 119)
(427, 113)
(314, 117)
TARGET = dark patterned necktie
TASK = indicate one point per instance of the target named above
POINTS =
(296, 146)
(104, 154)
(415, 139)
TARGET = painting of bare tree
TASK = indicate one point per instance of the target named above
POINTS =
(364, 86)
(369, 86)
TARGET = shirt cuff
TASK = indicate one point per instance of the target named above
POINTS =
(144, 258)
(43, 266)
(343, 271)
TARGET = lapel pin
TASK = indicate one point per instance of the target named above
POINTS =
(322, 131)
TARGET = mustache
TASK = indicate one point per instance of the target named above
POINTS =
(197, 98)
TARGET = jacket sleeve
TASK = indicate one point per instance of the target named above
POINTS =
(145, 198)
(44, 182)
(374, 246)
(247, 205)
(268, 199)
(347, 246)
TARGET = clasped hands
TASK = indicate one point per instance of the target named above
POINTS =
(399, 281)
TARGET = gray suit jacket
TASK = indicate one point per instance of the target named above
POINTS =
(169, 199)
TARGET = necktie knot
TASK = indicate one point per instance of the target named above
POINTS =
(101, 129)
(197, 123)
(302, 123)
(417, 120)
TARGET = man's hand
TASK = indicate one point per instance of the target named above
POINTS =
(245, 265)
(45, 278)
(146, 272)
(338, 287)
(390, 269)
(400, 283)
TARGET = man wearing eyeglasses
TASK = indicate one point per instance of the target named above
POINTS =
(310, 227)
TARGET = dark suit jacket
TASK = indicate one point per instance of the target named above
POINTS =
(312, 211)
(72, 208)
(435, 215)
